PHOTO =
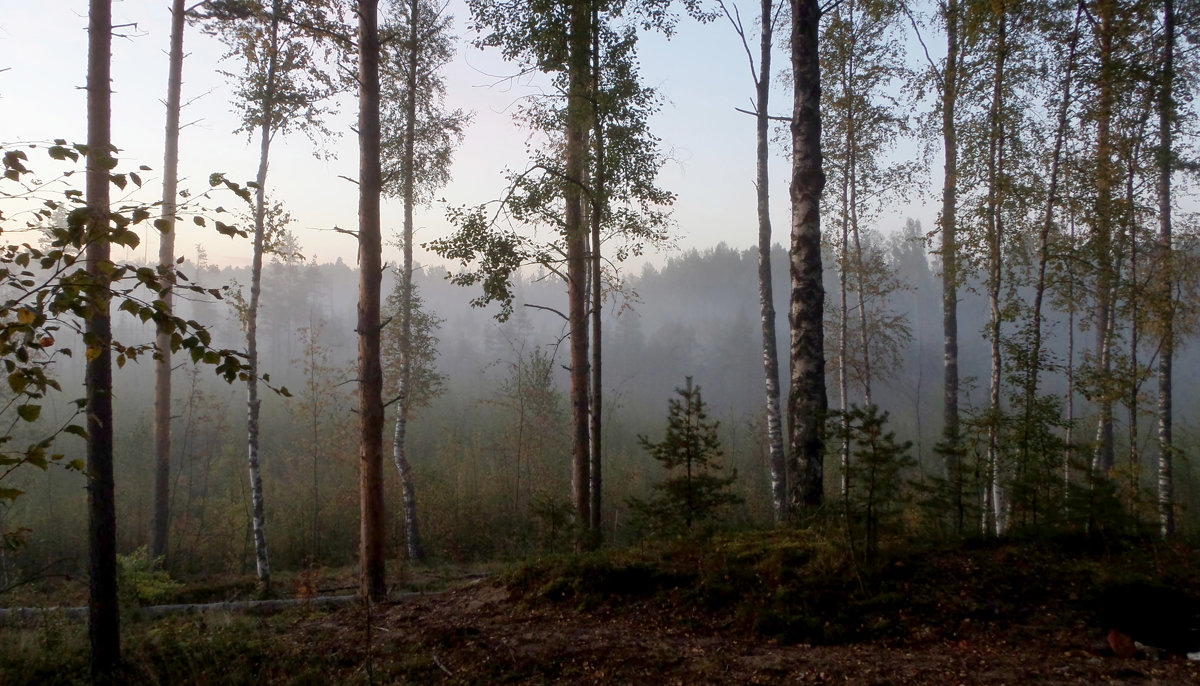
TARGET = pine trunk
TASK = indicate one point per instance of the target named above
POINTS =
(807, 400)
(103, 612)
(372, 582)
(166, 263)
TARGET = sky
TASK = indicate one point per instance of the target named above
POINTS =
(701, 72)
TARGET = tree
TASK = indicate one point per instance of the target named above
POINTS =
(1166, 352)
(807, 400)
(420, 138)
(875, 474)
(166, 261)
(410, 358)
(602, 104)
(280, 88)
(104, 630)
(372, 584)
(691, 444)
(768, 16)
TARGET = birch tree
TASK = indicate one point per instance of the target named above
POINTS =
(1166, 351)
(807, 400)
(280, 89)
(419, 136)
(769, 16)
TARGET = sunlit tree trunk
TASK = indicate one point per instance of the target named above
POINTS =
(166, 263)
(807, 400)
(372, 582)
(103, 613)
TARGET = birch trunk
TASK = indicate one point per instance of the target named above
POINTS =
(994, 520)
(103, 614)
(1102, 458)
(166, 263)
(266, 132)
(372, 582)
(576, 236)
(1166, 279)
(766, 296)
(1035, 364)
(599, 200)
(412, 532)
(950, 430)
(807, 400)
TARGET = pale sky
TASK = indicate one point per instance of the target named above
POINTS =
(702, 72)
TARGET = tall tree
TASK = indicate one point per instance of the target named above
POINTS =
(280, 90)
(807, 400)
(1166, 278)
(166, 262)
(560, 187)
(768, 16)
(372, 584)
(103, 614)
(946, 79)
(1103, 220)
(418, 140)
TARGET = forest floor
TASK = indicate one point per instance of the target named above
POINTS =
(764, 608)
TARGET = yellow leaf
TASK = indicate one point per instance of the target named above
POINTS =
(92, 353)
(25, 315)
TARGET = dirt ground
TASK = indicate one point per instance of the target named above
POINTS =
(480, 635)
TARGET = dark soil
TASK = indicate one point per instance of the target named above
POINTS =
(770, 608)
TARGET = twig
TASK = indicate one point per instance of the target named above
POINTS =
(441, 666)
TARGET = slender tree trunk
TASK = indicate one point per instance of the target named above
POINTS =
(372, 582)
(994, 518)
(766, 296)
(576, 235)
(253, 403)
(1166, 278)
(412, 533)
(599, 200)
(807, 400)
(951, 434)
(166, 263)
(1035, 352)
(844, 347)
(103, 613)
(1102, 460)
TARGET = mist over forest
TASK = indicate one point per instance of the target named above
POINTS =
(491, 451)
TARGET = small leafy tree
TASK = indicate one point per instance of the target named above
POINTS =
(693, 493)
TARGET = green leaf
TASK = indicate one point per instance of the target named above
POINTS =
(29, 413)
(76, 430)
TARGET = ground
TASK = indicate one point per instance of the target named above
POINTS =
(769, 609)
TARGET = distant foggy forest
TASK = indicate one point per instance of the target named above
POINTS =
(490, 451)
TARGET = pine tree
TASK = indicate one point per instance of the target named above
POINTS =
(693, 494)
